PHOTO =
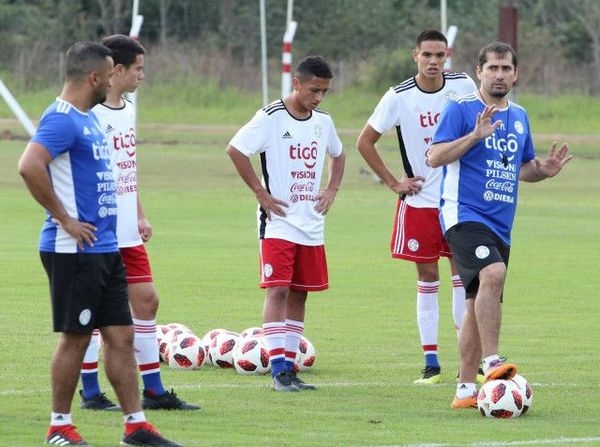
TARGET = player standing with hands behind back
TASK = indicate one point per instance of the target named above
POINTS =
(293, 137)
(414, 107)
(484, 143)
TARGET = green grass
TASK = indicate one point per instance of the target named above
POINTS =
(204, 258)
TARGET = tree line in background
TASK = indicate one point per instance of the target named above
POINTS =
(368, 42)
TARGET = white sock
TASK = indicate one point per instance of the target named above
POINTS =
(146, 345)
(488, 360)
(465, 390)
(293, 334)
(90, 359)
(60, 419)
(134, 418)
(428, 313)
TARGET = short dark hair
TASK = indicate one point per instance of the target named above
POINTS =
(124, 49)
(431, 34)
(313, 66)
(83, 58)
(499, 48)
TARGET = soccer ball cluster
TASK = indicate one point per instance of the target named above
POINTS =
(245, 352)
(503, 399)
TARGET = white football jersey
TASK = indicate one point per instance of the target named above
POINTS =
(415, 114)
(292, 153)
(118, 126)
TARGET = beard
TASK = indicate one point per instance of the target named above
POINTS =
(99, 97)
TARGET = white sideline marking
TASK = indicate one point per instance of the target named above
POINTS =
(267, 384)
(557, 441)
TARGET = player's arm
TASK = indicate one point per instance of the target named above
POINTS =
(244, 168)
(366, 146)
(444, 153)
(144, 227)
(536, 170)
(33, 168)
(326, 197)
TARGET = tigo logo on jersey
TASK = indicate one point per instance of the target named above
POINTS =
(428, 119)
(306, 153)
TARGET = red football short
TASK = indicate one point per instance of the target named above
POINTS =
(417, 235)
(287, 264)
(137, 265)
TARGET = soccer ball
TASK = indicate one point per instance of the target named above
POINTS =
(186, 352)
(305, 358)
(251, 356)
(500, 399)
(169, 338)
(220, 351)
(209, 337)
(526, 390)
(252, 332)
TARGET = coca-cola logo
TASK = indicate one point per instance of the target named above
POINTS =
(107, 199)
(308, 154)
(130, 177)
(302, 187)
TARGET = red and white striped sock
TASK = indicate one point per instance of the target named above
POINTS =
(427, 319)
(274, 333)
(293, 334)
(145, 344)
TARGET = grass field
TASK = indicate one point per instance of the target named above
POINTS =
(204, 256)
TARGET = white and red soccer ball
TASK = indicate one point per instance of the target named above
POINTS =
(251, 356)
(221, 348)
(500, 399)
(526, 391)
(252, 332)
(305, 357)
(186, 352)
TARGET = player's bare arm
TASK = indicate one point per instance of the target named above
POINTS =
(144, 227)
(33, 167)
(366, 146)
(537, 170)
(269, 203)
(326, 197)
(440, 154)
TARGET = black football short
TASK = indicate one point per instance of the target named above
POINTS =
(87, 290)
(474, 246)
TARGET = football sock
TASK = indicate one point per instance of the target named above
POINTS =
(465, 390)
(89, 367)
(134, 421)
(488, 360)
(459, 303)
(60, 419)
(146, 354)
(274, 333)
(427, 320)
(293, 334)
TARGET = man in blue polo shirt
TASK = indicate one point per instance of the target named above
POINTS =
(484, 144)
(66, 167)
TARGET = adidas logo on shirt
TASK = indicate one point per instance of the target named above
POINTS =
(86, 131)
(286, 135)
(109, 129)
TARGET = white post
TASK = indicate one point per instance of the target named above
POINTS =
(134, 32)
(451, 37)
(17, 110)
(263, 48)
(444, 16)
(286, 56)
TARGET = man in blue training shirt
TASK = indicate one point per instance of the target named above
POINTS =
(483, 160)
(66, 167)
